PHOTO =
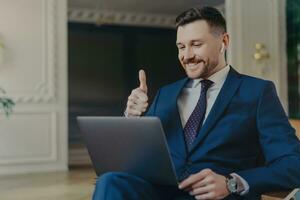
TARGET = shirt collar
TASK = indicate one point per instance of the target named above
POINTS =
(218, 78)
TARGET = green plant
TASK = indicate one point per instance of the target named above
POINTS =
(6, 104)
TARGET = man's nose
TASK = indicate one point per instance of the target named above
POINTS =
(188, 54)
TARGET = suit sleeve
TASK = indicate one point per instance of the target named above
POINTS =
(151, 111)
(280, 147)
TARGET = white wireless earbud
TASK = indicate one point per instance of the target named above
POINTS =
(222, 48)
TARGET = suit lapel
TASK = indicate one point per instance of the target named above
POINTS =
(173, 96)
(176, 136)
(229, 88)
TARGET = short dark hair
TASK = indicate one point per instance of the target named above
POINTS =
(211, 15)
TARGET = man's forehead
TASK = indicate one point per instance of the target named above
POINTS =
(196, 30)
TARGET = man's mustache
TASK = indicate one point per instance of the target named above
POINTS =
(194, 60)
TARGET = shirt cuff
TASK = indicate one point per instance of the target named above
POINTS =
(125, 114)
(243, 186)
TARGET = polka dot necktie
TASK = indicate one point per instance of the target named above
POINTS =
(195, 120)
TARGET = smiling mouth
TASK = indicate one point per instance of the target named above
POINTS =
(193, 66)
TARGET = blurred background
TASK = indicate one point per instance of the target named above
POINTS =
(61, 59)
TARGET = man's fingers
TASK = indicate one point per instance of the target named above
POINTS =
(137, 105)
(136, 112)
(206, 185)
(205, 181)
(190, 181)
(143, 81)
(139, 94)
(210, 195)
(194, 178)
(133, 113)
(138, 100)
(131, 104)
(201, 190)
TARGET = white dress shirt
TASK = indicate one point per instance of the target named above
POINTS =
(189, 96)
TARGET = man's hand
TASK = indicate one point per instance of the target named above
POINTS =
(138, 100)
(205, 184)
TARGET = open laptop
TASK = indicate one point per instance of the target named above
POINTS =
(133, 145)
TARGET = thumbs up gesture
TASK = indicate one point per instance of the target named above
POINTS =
(138, 100)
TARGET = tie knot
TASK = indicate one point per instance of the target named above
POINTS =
(205, 84)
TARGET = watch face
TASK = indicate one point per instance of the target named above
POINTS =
(232, 185)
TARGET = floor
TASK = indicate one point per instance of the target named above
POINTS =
(77, 184)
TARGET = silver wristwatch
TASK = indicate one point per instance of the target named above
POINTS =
(231, 184)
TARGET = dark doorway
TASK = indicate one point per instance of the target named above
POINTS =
(103, 69)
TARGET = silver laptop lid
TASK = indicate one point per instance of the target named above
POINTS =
(132, 145)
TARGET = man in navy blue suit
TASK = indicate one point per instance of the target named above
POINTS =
(228, 135)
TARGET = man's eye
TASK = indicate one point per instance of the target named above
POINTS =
(197, 44)
(180, 47)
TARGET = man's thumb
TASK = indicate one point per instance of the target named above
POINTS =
(143, 81)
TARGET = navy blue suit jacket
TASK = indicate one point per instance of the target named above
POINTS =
(245, 123)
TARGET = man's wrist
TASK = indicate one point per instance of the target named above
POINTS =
(231, 184)
(242, 185)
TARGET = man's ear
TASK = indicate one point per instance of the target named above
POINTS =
(222, 48)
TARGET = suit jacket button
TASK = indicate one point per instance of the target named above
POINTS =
(189, 162)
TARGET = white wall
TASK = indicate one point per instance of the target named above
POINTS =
(34, 74)
(259, 21)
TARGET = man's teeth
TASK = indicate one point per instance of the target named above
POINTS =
(192, 65)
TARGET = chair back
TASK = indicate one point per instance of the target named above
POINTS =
(296, 124)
